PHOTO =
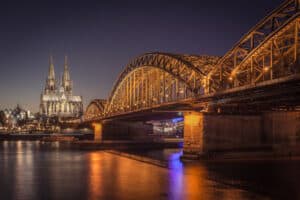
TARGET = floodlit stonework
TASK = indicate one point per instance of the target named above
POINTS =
(58, 99)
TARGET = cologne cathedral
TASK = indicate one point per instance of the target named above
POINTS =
(57, 99)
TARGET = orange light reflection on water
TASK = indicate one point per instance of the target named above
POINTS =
(95, 178)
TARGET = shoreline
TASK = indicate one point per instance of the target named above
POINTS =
(39, 136)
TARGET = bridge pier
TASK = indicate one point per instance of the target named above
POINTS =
(206, 133)
(212, 133)
(193, 134)
(282, 130)
(121, 130)
(97, 131)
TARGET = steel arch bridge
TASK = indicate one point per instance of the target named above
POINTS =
(268, 52)
(95, 107)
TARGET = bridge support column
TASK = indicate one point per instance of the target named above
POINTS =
(193, 135)
(241, 135)
(209, 133)
(97, 131)
(126, 130)
(282, 130)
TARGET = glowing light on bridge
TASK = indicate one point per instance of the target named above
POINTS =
(97, 130)
(270, 51)
(192, 119)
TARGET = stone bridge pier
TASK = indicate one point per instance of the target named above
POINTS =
(274, 132)
(122, 130)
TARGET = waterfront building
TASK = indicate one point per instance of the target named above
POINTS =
(57, 99)
(172, 128)
(15, 117)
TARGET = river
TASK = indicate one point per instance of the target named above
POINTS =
(36, 170)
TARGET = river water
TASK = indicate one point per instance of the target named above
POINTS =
(36, 170)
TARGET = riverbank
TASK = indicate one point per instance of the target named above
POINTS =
(40, 136)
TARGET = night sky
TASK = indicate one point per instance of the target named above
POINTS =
(101, 38)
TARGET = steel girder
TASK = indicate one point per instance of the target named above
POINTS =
(222, 76)
(172, 77)
(268, 51)
(177, 65)
(275, 58)
(95, 108)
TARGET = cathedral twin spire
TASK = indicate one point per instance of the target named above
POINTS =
(66, 80)
(51, 74)
(58, 99)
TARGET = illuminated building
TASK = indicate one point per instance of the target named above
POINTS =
(58, 99)
(15, 117)
(168, 128)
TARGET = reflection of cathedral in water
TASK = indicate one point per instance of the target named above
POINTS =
(57, 99)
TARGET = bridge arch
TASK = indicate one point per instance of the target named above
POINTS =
(95, 108)
(269, 51)
(157, 78)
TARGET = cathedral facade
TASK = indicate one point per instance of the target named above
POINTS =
(57, 98)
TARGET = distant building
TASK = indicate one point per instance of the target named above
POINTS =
(58, 99)
(15, 117)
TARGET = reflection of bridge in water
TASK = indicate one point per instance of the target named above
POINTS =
(249, 98)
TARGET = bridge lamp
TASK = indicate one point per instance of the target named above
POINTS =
(266, 69)
(232, 75)
(144, 102)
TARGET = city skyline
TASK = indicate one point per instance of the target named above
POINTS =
(101, 39)
(150, 99)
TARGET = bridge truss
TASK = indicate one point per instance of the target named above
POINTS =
(269, 51)
(157, 78)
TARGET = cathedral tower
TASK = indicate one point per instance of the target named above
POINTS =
(51, 82)
(58, 100)
(66, 80)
